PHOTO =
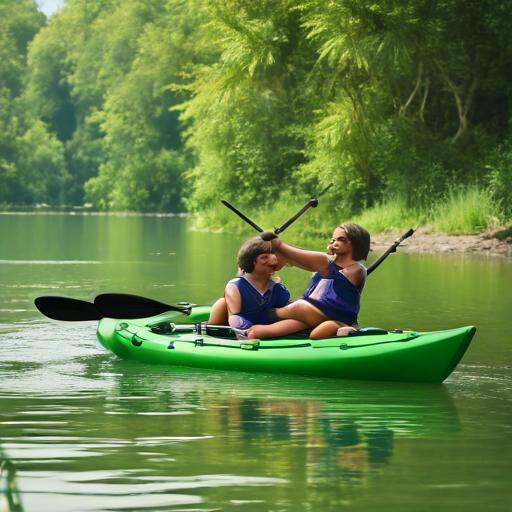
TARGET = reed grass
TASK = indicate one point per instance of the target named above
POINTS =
(466, 212)
(392, 216)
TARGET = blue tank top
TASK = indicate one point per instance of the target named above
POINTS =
(255, 306)
(335, 295)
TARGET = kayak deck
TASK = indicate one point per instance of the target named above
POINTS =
(428, 357)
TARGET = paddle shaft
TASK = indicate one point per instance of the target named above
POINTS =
(124, 305)
(393, 247)
(242, 216)
(312, 203)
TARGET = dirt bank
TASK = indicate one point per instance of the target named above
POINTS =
(497, 243)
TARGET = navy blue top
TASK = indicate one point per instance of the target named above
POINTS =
(255, 306)
(335, 295)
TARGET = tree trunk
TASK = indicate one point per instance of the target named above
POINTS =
(462, 108)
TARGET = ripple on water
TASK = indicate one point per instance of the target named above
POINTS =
(88, 431)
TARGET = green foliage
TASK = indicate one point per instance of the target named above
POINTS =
(466, 212)
(41, 167)
(32, 164)
(176, 104)
(19, 23)
(98, 73)
(500, 177)
(246, 106)
(382, 96)
(393, 215)
(148, 182)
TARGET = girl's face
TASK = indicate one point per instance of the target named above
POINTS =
(340, 244)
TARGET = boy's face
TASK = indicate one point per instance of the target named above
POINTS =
(340, 244)
(265, 263)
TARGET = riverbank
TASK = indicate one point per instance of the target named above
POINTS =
(496, 243)
(493, 243)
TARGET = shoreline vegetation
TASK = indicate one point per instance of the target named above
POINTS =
(493, 241)
(171, 105)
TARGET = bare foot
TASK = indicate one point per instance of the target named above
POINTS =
(343, 331)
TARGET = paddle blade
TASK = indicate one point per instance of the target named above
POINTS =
(126, 306)
(67, 310)
(408, 234)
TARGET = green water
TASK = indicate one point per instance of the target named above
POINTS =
(81, 430)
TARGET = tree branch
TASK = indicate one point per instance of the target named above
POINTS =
(424, 100)
(402, 109)
(461, 108)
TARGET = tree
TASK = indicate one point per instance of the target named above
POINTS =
(32, 167)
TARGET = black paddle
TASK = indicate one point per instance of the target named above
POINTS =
(67, 310)
(242, 216)
(312, 203)
(393, 247)
(123, 305)
(110, 305)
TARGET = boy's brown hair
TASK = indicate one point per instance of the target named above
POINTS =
(250, 251)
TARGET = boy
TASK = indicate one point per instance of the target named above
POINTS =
(249, 297)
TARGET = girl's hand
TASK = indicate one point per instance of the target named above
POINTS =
(268, 236)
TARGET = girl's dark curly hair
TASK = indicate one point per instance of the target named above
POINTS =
(360, 239)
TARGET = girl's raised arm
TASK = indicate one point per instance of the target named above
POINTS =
(301, 258)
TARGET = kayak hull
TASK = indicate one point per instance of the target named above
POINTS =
(428, 357)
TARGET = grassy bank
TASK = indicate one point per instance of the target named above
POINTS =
(469, 211)
(466, 212)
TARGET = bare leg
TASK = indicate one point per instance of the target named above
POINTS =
(219, 313)
(278, 329)
(302, 311)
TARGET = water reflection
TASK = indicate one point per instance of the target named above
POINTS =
(9, 495)
(337, 449)
(159, 438)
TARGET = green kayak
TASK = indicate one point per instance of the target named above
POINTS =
(370, 354)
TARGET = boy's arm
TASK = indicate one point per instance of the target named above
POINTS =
(233, 299)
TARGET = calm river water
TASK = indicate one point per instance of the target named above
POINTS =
(81, 430)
